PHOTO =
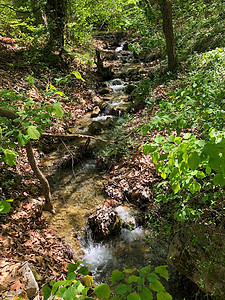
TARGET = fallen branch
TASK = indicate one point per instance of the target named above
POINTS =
(74, 135)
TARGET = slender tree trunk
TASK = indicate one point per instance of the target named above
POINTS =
(30, 154)
(44, 182)
(166, 10)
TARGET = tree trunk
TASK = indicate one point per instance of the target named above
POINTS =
(45, 185)
(56, 16)
(166, 10)
(30, 154)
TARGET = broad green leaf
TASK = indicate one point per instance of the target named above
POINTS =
(171, 138)
(22, 139)
(159, 139)
(83, 270)
(152, 277)
(216, 161)
(70, 293)
(102, 291)
(33, 132)
(156, 286)
(10, 157)
(60, 291)
(133, 296)
(128, 271)
(46, 292)
(187, 136)
(72, 267)
(116, 275)
(114, 298)
(164, 296)
(200, 175)
(194, 161)
(58, 110)
(175, 187)
(78, 286)
(145, 294)
(195, 187)
(147, 148)
(219, 179)
(162, 271)
(122, 289)
(4, 207)
(58, 284)
(71, 276)
(132, 278)
(145, 270)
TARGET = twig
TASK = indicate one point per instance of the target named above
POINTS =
(71, 157)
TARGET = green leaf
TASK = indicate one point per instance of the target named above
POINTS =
(187, 136)
(175, 187)
(208, 170)
(71, 276)
(116, 275)
(57, 110)
(46, 292)
(219, 179)
(195, 187)
(145, 271)
(132, 278)
(128, 271)
(152, 277)
(133, 296)
(159, 139)
(122, 289)
(72, 267)
(4, 207)
(83, 270)
(33, 132)
(102, 291)
(194, 161)
(10, 157)
(147, 148)
(156, 286)
(70, 293)
(22, 139)
(164, 296)
(146, 129)
(171, 138)
(145, 294)
(60, 291)
(162, 271)
(58, 284)
(77, 75)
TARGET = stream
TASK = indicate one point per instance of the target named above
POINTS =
(79, 192)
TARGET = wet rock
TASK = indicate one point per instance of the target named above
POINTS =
(197, 251)
(95, 112)
(104, 222)
(97, 126)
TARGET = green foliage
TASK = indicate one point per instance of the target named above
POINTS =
(5, 206)
(191, 163)
(125, 284)
(33, 118)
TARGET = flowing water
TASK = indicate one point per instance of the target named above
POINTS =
(79, 192)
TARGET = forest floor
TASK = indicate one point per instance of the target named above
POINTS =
(24, 233)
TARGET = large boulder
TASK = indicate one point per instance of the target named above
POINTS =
(104, 222)
(198, 252)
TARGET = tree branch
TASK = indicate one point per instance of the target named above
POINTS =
(70, 136)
